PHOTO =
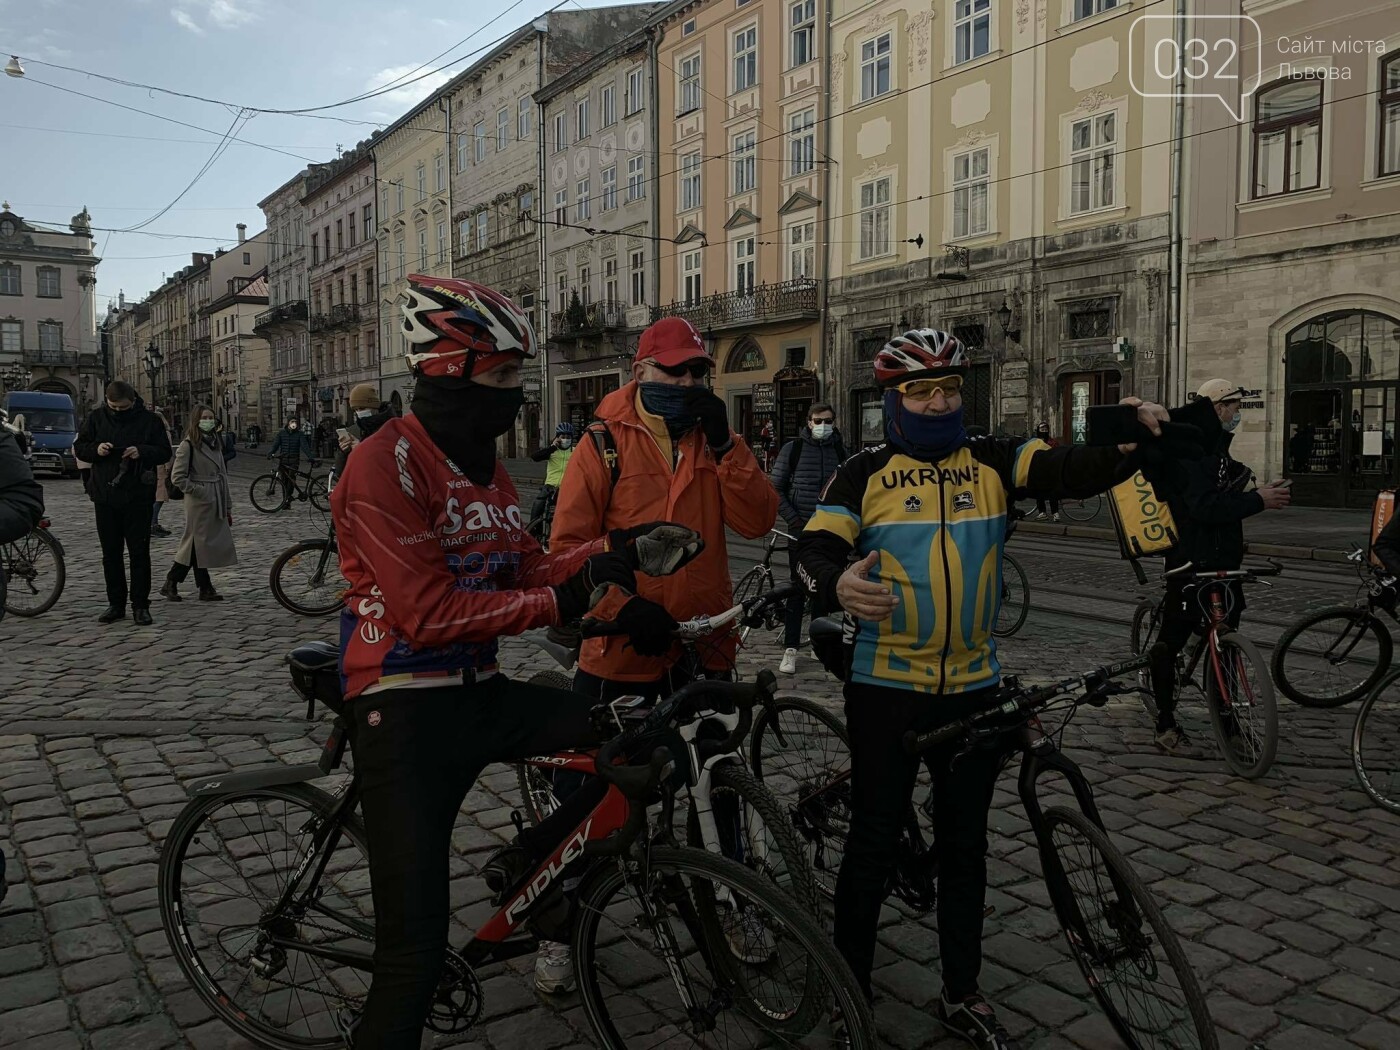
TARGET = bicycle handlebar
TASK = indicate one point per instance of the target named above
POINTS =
(1275, 568)
(700, 626)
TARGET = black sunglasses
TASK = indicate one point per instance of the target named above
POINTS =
(697, 369)
(824, 419)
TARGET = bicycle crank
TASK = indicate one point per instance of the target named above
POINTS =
(458, 1002)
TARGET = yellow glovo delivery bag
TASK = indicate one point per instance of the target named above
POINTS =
(1143, 522)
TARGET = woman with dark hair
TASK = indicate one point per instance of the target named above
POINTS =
(198, 468)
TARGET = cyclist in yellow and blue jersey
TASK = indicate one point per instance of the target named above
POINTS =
(925, 514)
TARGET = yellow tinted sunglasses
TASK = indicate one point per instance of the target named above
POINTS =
(924, 389)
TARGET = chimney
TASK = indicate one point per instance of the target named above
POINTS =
(242, 232)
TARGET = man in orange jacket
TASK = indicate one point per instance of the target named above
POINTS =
(677, 460)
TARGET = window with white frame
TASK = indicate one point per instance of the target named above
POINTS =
(561, 206)
(875, 67)
(561, 291)
(421, 175)
(398, 195)
(49, 282)
(483, 229)
(744, 250)
(50, 336)
(422, 250)
(1389, 152)
(464, 236)
(439, 173)
(609, 188)
(972, 29)
(690, 181)
(442, 240)
(610, 280)
(463, 152)
(802, 32)
(581, 202)
(479, 139)
(1088, 8)
(1092, 155)
(802, 142)
(9, 279)
(690, 84)
(1287, 136)
(970, 187)
(11, 336)
(875, 218)
(802, 251)
(585, 282)
(639, 279)
(691, 283)
(561, 131)
(745, 161)
(522, 118)
(636, 178)
(607, 106)
(745, 58)
(502, 128)
(634, 96)
(581, 119)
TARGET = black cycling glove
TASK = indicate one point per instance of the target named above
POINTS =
(657, 548)
(648, 625)
(577, 594)
(708, 409)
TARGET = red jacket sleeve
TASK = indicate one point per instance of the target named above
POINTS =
(750, 501)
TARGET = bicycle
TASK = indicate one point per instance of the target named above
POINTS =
(760, 580)
(32, 572)
(276, 489)
(298, 927)
(1082, 510)
(731, 813)
(1015, 585)
(541, 526)
(1336, 655)
(1375, 745)
(1234, 679)
(324, 587)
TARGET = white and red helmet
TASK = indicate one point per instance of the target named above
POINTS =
(923, 353)
(457, 328)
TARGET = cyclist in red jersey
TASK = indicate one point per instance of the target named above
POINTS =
(433, 545)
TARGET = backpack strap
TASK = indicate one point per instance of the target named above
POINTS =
(794, 457)
(607, 449)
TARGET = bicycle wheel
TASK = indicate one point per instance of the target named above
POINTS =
(654, 969)
(800, 753)
(1082, 509)
(1015, 598)
(1128, 954)
(223, 869)
(536, 785)
(319, 495)
(755, 583)
(1332, 657)
(34, 569)
(1147, 621)
(1245, 715)
(306, 579)
(1375, 744)
(267, 493)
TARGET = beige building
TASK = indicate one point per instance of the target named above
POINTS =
(999, 177)
(180, 332)
(743, 174)
(1293, 246)
(283, 324)
(48, 317)
(240, 358)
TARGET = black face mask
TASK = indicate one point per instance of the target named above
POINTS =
(465, 420)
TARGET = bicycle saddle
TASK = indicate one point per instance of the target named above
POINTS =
(316, 675)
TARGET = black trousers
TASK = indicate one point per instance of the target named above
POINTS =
(419, 751)
(126, 530)
(179, 571)
(1181, 616)
(882, 788)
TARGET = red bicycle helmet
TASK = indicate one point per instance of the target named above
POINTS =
(924, 353)
(458, 328)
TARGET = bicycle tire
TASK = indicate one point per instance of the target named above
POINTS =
(1013, 576)
(318, 493)
(1082, 510)
(1348, 617)
(819, 824)
(535, 784)
(177, 862)
(1121, 879)
(690, 874)
(1147, 621)
(755, 583)
(1368, 778)
(1238, 652)
(18, 549)
(301, 608)
(269, 489)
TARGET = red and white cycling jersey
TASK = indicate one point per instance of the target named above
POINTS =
(439, 567)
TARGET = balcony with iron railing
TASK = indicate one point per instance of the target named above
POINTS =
(318, 322)
(344, 314)
(579, 320)
(282, 314)
(50, 358)
(763, 304)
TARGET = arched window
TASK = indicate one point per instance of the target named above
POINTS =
(747, 356)
(1287, 137)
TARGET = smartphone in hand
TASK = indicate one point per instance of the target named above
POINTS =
(1113, 425)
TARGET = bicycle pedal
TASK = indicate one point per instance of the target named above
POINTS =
(518, 819)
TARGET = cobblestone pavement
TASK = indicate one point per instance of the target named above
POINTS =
(1286, 892)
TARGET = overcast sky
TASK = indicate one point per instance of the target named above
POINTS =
(59, 151)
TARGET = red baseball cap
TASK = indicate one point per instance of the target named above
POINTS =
(672, 341)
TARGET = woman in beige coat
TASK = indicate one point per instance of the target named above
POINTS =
(198, 468)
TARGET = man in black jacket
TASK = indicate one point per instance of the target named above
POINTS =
(291, 443)
(1209, 504)
(21, 498)
(370, 414)
(125, 442)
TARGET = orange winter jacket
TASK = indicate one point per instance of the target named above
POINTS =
(662, 481)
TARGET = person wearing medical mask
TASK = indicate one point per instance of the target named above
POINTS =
(201, 473)
(556, 456)
(367, 414)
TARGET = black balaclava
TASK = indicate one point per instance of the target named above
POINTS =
(464, 419)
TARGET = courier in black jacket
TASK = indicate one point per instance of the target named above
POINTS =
(1209, 503)
(125, 442)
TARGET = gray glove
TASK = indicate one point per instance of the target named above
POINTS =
(658, 548)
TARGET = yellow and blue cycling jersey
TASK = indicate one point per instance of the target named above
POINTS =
(939, 531)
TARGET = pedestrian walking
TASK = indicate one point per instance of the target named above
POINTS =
(200, 470)
(1042, 431)
(124, 442)
(162, 479)
(290, 444)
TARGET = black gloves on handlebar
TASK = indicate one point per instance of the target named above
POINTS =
(657, 548)
(648, 625)
(577, 594)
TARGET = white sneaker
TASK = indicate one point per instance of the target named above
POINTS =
(789, 664)
(748, 936)
(1055, 518)
(554, 968)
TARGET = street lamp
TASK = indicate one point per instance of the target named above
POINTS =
(154, 358)
(13, 68)
(1004, 316)
(16, 377)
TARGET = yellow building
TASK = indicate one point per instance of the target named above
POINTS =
(741, 181)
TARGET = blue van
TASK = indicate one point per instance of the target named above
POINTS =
(54, 424)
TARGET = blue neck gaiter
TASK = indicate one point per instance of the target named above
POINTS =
(929, 438)
(669, 402)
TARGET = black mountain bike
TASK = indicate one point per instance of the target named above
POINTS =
(276, 490)
(306, 577)
(32, 572)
